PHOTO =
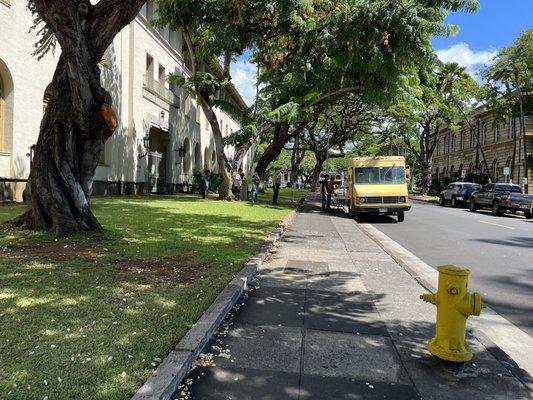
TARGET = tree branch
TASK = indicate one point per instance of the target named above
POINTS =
(108, 18)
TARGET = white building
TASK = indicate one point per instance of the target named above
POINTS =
(134, 71)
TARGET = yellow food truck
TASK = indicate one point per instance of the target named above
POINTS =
(377, 185)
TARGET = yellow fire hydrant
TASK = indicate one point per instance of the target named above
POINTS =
(454, 305)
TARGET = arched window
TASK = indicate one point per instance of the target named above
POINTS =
(495, 171)
(6, 108)
(452, 172)
(2, 114)
(187, 157)
(470, 167)
(197, 157)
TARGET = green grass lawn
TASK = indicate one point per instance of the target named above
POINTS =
(89, 317)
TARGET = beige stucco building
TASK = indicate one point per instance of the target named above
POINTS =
(134, 70)
(457, 153)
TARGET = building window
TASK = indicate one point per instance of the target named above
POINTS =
(483, 138)
(497, 133)
(149, 67)
(471, 139)
(162, 75)
(461, 139)
(511, 128)
(2, 115)
(452, 143)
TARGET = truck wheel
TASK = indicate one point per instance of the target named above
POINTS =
(401, 216)
(442, 202)
(495, 208)
(473, 206)
(454, 202)
(528, 214)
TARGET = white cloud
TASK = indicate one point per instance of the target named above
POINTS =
(462, 54)
(243, 75)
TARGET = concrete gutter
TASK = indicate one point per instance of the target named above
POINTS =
(169, 374)
(506, 342)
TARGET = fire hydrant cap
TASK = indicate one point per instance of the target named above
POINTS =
(454, 270)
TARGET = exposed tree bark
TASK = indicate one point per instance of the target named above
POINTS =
(273, 150)
(224, 166)
(297, 157)
(520, 95)
(78, 119)
(315, 175)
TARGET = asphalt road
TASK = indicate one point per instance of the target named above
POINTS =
(498, 251)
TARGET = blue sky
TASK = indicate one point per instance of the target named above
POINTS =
(496, 24)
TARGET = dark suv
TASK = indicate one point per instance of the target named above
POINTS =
(501, 197)
(458, 193)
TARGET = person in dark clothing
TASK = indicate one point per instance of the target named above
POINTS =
(330, 190)
(324, 192)
(276, 184)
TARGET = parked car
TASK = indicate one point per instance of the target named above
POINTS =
(501, 197)
(458, 193)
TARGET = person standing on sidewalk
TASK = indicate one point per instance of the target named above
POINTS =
(330, 189)
(276, 184)
(256, 181)
(323, 191)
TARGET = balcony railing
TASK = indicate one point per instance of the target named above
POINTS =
(160, 90)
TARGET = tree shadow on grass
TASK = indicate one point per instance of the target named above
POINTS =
(62, 303)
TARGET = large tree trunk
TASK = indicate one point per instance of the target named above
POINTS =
(297, 157)
(426, 178)
(315, 175)
(273, 150)
(224, 167)
(78, 119)
(524, 137)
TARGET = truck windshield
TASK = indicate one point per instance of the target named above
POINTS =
(380, 175)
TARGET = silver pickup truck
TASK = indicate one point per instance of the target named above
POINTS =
(501, 197)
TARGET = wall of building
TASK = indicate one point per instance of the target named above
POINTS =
(24, 80)
(457, 150)
(146, 103)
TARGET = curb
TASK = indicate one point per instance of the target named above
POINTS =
(501, 338)
(169, 374)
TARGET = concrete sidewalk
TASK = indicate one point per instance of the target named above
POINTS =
(335, 317)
